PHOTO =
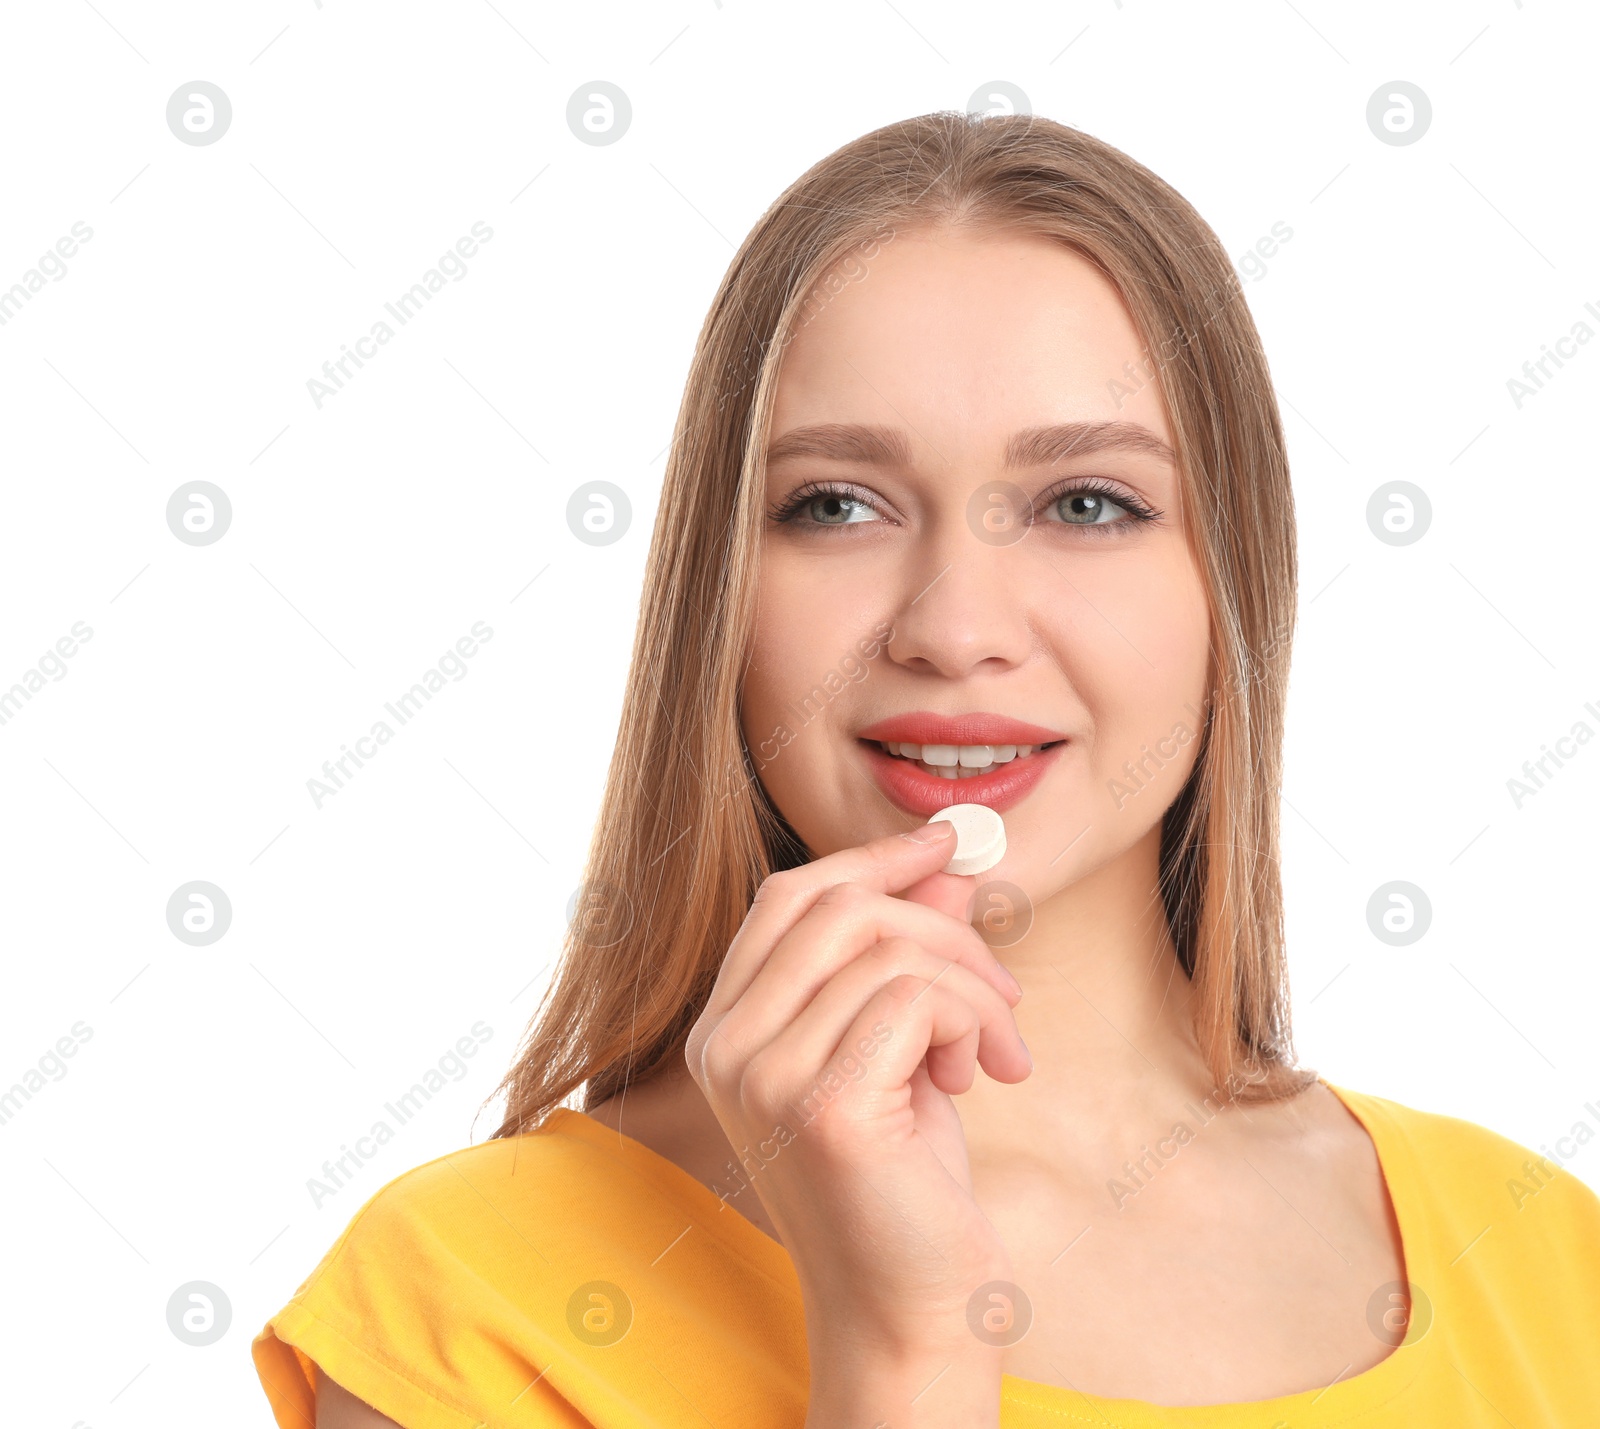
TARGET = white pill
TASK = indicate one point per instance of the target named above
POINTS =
(980, 837)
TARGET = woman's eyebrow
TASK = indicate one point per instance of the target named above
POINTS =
(1034, 446)
(1045, 446)
(844, 441)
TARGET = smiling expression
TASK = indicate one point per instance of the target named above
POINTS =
(955, 457)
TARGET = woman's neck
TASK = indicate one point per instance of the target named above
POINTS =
(1107, 1012)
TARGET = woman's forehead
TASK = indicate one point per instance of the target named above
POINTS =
(955, 331)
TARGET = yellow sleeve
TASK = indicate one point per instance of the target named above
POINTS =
(563, 1279)
(400, 1313)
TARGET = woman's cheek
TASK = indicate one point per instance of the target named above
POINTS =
(1143, 678)
(787, 713)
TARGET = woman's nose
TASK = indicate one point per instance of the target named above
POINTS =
(963, 604)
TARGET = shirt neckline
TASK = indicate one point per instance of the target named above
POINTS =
(1381, 1381)
(1373, 1386)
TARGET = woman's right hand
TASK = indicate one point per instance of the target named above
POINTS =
(840, 1024)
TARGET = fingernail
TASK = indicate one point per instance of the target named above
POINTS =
(1025, 1051)
(929, 833)
(1011, 977)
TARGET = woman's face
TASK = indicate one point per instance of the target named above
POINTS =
(973, 539)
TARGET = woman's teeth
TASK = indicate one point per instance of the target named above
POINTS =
(958, 761)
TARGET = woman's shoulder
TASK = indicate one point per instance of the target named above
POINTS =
(470, 1280)
(1502, 1258)
(511, 1210)
(505, 1179)
(383, 1311)
(1478, 1182)
(477, 1204)
(1450, 1142)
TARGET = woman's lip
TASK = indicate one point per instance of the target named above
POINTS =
(980, 727)
(912, 788)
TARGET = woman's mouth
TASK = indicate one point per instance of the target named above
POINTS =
(924, 778)
(959, 761)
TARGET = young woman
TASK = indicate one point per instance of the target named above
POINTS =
(978, 495)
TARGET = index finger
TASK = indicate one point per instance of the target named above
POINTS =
(883, 865)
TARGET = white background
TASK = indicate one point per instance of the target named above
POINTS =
(369, 535)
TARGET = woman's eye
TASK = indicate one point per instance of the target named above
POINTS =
(818, 506)
(837, 510)
(1090, 508)
(824, 508)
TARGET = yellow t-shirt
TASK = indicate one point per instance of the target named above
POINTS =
(573, 1277)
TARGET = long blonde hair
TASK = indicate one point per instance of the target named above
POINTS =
(686, 831)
